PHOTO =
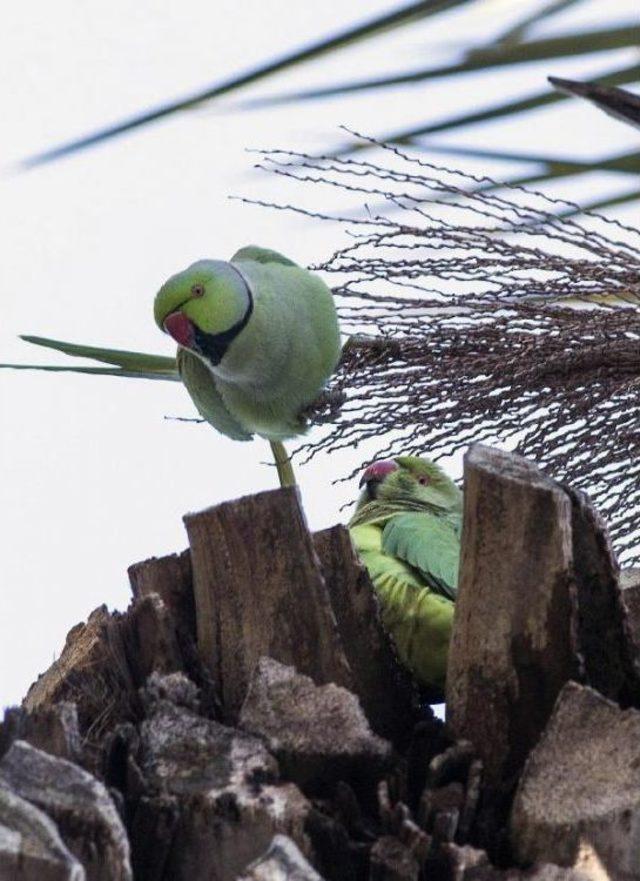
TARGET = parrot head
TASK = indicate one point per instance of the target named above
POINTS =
(409, 481)
(204, 307)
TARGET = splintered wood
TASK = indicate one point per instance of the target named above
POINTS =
(539, 603)
(512, 650)
(259, 591)
(247, 716)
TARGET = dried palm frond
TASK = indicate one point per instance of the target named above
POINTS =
(480, 312)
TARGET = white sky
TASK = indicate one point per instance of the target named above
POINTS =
(93, 477)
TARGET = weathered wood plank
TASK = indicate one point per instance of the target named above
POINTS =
(605, 637)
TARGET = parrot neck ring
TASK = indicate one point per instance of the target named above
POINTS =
(211, 346)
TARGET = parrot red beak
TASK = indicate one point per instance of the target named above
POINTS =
(377, 472)
(178, 326)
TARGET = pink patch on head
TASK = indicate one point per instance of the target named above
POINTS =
(378, 470)
(180, 328)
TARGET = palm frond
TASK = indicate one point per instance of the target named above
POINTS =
(481, 59)
(516, 33)
(497, 111)
(627, 163)
(515, 46)
(622, 105)
(398, 17)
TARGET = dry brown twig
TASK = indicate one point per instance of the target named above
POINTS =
(482, 312)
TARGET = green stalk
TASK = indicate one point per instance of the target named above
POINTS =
(283, 464)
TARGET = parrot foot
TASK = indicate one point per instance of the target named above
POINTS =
(324, 407)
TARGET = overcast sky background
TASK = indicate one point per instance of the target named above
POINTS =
(93, 478)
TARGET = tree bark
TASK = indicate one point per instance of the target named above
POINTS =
(259, 591)
(386, 691)
(511, 650)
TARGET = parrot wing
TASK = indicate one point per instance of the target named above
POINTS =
(261, 255)
(136, 365)
(418, 618)
(201, 385)
(428, 543)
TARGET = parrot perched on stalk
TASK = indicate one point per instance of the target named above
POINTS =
(257, 340)
(406, 530)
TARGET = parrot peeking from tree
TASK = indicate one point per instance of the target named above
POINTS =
(406, 530)
(257, 340)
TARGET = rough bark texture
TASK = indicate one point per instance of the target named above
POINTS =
(391, 860)
(106, 661)
(79, 804)
(89, 672)
(386, 691)
(171, 578)
(470, 864)
(31, 848)
(259, 591)
(578, 801)
(121, 744)
(54, 729)
(604, 631)
(630, 586)
(283, 861)
(319, 734)
(222, 784)
(511, 649)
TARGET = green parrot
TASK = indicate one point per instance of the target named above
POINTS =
(406, 530)
(257, 340)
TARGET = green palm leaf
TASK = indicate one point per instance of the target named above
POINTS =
(515, 46)
(497, 111)
(480, 59)
(404, 15)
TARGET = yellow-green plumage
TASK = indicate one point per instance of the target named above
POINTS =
(406, 530)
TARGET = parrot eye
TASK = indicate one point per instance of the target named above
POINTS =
(197, 290)
(423, 480)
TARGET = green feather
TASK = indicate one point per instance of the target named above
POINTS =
(201, 385)
(406, 530)
(428, 543)
(418, 619)
(119, 357)
(131, 365)
(261, 255)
